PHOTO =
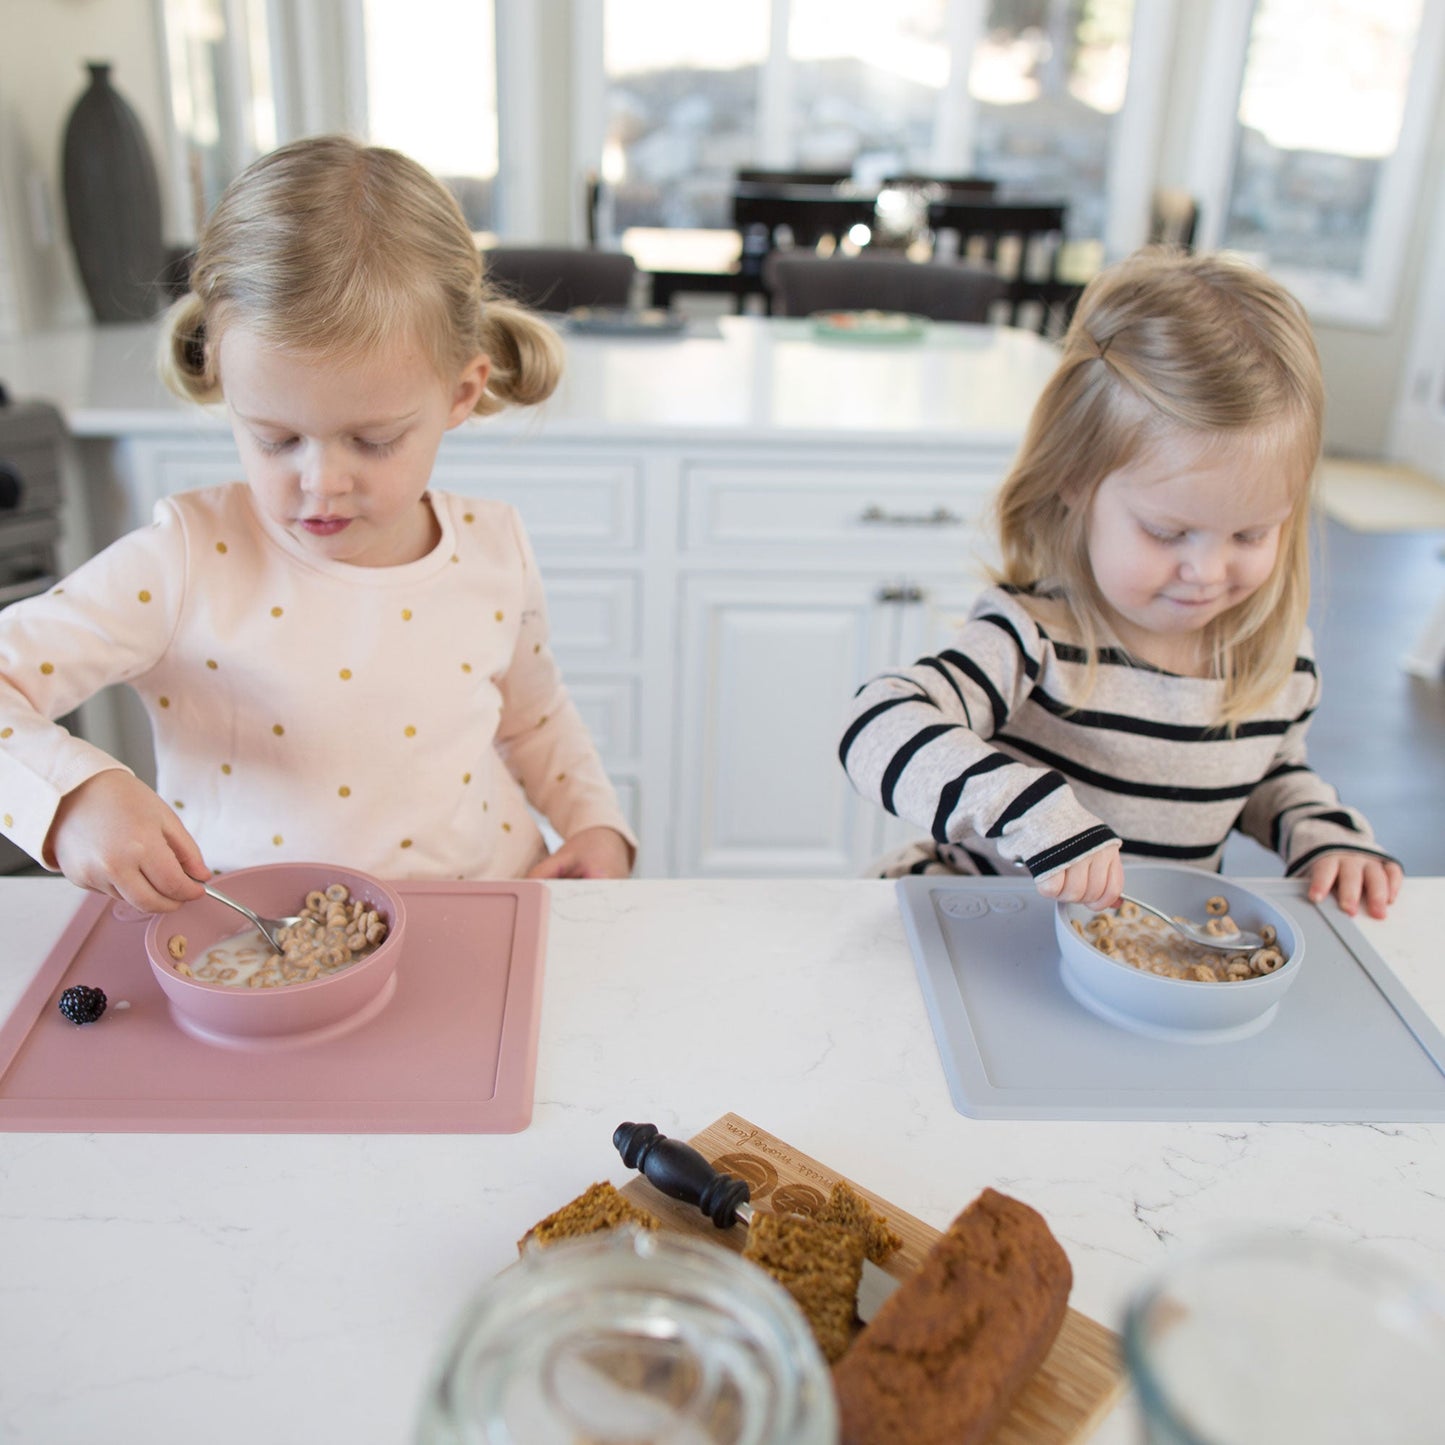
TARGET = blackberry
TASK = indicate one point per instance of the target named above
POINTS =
(82, 1005)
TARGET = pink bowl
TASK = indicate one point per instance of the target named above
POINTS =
(293, 1014)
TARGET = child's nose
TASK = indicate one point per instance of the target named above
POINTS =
(1204, 563)
(324, 471)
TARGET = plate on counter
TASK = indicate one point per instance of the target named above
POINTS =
(624, 321)
(869, 326)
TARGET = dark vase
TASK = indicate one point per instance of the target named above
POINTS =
(113, 204)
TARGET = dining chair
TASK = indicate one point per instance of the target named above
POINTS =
(752, 176)
(940, 290)
(1022, 241)
(557, 278)
(961, 188)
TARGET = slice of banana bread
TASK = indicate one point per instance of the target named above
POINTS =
(848, 1208)
(818, 1264)
(944, 1357)
(599, 1207)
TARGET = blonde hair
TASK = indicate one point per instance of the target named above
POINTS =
(329, 248)
(1202, 346)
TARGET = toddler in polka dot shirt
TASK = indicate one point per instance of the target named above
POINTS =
(339, 662)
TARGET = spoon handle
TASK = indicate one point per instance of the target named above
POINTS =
(680, 1172)
(242, 909)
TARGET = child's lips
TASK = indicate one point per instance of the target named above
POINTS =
(325, 526)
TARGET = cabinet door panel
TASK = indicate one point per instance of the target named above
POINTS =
(768, 666)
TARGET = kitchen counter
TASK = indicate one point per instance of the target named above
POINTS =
(753, 378)
(236, 1288)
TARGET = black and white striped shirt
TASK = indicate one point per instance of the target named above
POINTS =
(992, 748)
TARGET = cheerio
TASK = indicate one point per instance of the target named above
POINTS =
(630, 1337)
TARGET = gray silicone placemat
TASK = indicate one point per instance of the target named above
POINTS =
(1348, 1044)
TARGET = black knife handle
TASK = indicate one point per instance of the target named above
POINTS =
(680, 1172)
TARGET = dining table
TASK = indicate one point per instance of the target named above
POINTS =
(229, 1287)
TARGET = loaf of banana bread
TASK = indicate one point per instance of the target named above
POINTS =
(947, 1352)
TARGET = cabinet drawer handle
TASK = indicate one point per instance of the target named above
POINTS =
(875, 516)
(908, 592)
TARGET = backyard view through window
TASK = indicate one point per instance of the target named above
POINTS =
(430, 48)
(862, 88)
(1320, 109)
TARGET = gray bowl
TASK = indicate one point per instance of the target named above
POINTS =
(1175, 1009)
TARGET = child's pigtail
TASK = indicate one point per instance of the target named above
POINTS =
(526, 356)
(186, 364)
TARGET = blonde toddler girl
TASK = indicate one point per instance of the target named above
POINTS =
(1141, 679)
(339, 662)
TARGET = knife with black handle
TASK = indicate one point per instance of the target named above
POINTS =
(679, 1171)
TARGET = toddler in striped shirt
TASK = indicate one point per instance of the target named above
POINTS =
(1139, 679)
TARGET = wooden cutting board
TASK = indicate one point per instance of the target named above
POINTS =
(1070, 1393)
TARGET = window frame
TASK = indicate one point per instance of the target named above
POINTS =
(1367, 302)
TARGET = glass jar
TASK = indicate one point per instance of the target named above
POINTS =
(1269, 1338)
(631, 1338)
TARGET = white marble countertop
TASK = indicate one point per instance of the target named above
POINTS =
(745, 378)
(168, 1289)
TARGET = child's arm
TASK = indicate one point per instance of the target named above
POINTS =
(547, 748)
(113, 834)
(917, 744)
(592, 853)
(1293, 811)
(107, 622)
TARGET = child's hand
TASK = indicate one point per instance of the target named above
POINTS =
(1095, 881)
(592, 853)
(1353, 875)
(114, 835)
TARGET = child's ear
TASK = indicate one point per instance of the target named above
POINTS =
(470, 385)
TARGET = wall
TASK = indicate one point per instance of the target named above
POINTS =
(42, 74)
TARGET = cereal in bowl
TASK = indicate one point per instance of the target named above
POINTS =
(332, 931)
(1132, 936)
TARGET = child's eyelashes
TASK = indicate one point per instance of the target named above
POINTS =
(1163, 536)
(274, 447)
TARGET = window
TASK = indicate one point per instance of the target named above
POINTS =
(1031, 93)
(421, 50)
(1048, 81)
(865, 85)
(681, 100)
(1331, 104)
(247, 75)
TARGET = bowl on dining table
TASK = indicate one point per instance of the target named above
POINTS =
(287, 1015)
(1179, 1010)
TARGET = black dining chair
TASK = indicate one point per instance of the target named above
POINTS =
(558, 278)
(949, 188)
(1022, 240)
(752, 176)
(939, 290)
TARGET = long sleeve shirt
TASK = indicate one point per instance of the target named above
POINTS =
(995, 749)
(397, 719)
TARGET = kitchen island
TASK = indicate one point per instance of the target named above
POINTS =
(737, 514)
(168, 1289)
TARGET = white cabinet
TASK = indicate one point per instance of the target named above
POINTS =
(769, 663)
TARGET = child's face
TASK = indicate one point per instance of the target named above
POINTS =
(1183, 534)
(339, 454)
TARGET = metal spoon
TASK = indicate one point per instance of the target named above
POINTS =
(1240, 942)
(268, 926)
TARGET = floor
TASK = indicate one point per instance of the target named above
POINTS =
(1379, 734)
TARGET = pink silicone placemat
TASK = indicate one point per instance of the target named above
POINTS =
(453, 1052)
